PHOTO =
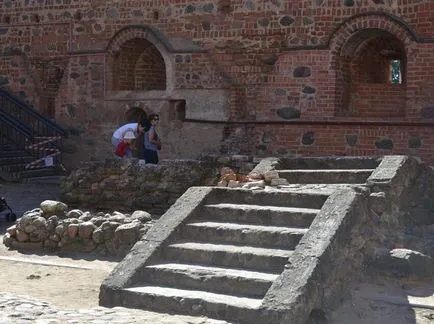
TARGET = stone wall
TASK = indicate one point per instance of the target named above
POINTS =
(130, 184)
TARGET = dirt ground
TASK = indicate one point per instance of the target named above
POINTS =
(63, 280)
(387, 303)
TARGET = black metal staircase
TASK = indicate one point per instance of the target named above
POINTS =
(30, 143)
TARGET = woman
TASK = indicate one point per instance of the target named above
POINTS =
(152, 142)
(140, 140)
(118, 134)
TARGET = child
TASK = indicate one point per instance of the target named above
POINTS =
(125, 146)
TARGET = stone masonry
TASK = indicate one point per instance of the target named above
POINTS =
(130, 184)
(304, 242)
(269, 78)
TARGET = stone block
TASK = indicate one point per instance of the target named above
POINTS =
(377, 202)
(27, 245)
(86, 229)
(72, 230)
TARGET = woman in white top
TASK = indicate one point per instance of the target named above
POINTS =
(118, 134)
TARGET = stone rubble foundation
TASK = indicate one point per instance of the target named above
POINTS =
(54, 227)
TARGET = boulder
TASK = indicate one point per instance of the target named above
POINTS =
(405, 263)
(74, 213)
(128, 233)
(72, 230)
(98, 235)
(86, 229)
(141, 216)
(53, 207)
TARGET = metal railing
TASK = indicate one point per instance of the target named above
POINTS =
(26, 129)
(13, 134)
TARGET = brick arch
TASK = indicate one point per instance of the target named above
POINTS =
(370, 21)
(138, 40)
(347, 43)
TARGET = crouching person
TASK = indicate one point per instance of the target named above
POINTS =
(126, 145)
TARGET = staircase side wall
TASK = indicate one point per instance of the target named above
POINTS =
(339, 242)
(314, 273)
(391, 182)
(128, 272)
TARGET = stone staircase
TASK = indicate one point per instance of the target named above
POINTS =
(228, 255)
(218, 251)
(327, 170)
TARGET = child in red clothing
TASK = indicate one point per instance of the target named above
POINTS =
(125, 146)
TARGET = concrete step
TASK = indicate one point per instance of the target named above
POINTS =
(330, 162)
(15, 167)
(326, 176)
(231, 256)
(260, 215)
(275, 198)
(50, 179)
(245, 234)
(42, 172)
(192, 302)
(8, 152)
(233, 282)
(10, 160)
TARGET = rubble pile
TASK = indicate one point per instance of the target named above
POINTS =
(54, 227)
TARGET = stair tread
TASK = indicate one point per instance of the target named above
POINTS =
(249, 227)
(265, 207)
(325, 170)
(217, 271)
(232, 249)
(242, 302)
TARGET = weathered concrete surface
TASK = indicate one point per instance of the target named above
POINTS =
(127, 273)
(379, 314)
(314, 272)
(314, 276)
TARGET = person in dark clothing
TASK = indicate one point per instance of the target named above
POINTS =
(152, 143)
(140, 140)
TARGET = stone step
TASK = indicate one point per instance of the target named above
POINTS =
(277, 198)
(330, 162)
(11, 152)
(42, 172)
(231, 256)
(233, 282)
(10, 160)
(15, 167)
(49, 179)
(245, 234)
(192, 302)
(260, 215)
(326, 176)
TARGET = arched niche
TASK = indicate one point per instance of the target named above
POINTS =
(138, 60)
(370, 61)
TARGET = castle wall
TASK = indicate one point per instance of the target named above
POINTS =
(242, 68)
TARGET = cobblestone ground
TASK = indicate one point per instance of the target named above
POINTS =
(17, 309)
